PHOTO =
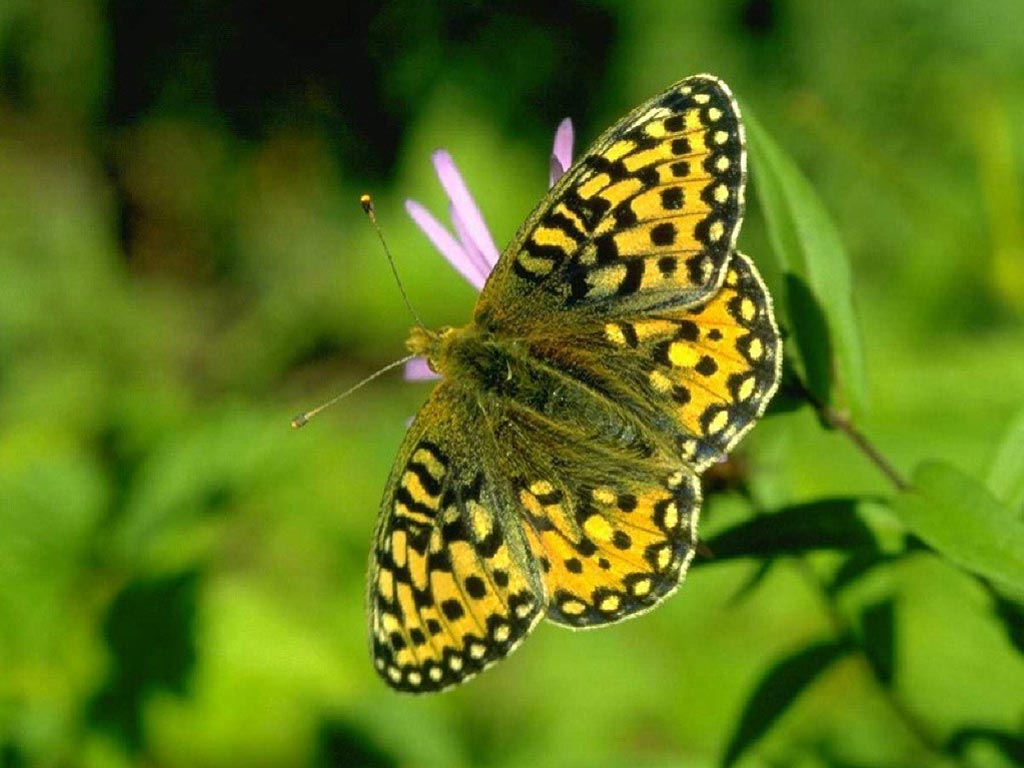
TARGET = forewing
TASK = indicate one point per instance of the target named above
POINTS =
(646, 217)
(452, 588)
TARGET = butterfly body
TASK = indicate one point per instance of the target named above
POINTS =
(619, 348)
(503, 379)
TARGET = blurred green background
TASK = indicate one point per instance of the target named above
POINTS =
(184, 265)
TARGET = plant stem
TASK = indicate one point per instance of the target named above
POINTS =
(841, 422)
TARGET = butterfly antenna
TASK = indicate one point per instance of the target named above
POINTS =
(303, 418)
(367, 202)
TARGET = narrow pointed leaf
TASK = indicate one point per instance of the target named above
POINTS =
(960, 519)
(856, 566)
(780, 687)
(753, 581)
(878, 635)
(824, 524)
(815, 284)
(1010, 614)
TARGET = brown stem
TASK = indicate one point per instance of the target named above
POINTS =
(841, 422)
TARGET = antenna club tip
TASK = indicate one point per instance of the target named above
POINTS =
(300, 421)
(367, 202)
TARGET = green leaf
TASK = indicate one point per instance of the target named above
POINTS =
(824, 524)
(959, 518)
(878, 635)
(753, 581)
(1006, 475)
(790, 396)
(50, 510)
(810, 332)
(781, 685)
(1010, 614)
(856, 566)
(815, 288)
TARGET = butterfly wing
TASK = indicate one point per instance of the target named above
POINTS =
(617, 277)
(603, 435)
(636, 348)
(613, 534)
(714, 367)
(645, 219)
(452, 588)
(620, 420)
(697, 377)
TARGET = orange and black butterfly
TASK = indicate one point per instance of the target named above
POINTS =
(619, 348)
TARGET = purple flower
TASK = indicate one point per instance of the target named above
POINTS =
(471, 249)
(561, 152)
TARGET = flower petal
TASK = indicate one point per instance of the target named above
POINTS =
(468, 245)
(561, 152)
(418, 370)
(455, 187)
(446, 244)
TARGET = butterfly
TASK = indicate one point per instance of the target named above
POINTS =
(619, 348)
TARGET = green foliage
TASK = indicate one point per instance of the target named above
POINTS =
(816, 286)
(782, 683)
(878, 631)
(796, 529)
(150, 630)
(959, 518)
(184, 265)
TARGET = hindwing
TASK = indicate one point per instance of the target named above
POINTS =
(451, 588)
